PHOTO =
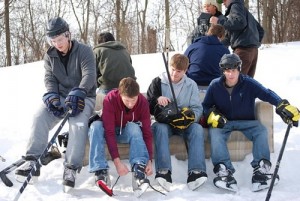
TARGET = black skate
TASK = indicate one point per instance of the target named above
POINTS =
(262, 177)
(224, 178)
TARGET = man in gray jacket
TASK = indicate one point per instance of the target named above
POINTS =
(243, 33)
(70, 81)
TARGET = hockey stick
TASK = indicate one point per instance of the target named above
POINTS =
(38, 164)
(173, 94)
(290, 124)
(8, 169)
(2, 159)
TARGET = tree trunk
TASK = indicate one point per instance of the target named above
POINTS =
(7, 33)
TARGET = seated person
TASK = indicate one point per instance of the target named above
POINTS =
(183, 123)
(229, 105)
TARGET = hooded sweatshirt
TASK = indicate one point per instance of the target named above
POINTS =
(115, 114)
(113, 63)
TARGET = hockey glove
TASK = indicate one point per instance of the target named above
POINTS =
(183, 119)
(216, 119)
(52, 102)
(75, 101)
(288, 112)
(93, 118)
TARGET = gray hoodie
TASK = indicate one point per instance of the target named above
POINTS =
(79, 72)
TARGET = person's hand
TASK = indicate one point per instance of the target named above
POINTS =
(149, 169)
(213, 20)
(163, 100)
(75, 101)
(53, 104)
(288, 113)
(122, 169)
(216, 119)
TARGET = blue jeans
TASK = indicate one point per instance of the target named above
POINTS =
(195, 140)
(252, 129)
(131, 134)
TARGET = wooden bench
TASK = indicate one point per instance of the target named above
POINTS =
(239, 146)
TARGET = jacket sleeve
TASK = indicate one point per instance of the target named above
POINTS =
(195, 102)
(50, 81)
(153, 92)
(146, 126)
(88, 63)
(236, 20)
(261, 32)
(108, 117)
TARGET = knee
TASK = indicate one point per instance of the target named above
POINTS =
(96, 129)
(196, 130)
(134, 129)
(160, 129)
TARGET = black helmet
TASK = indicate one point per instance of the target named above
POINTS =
(230, 61)
(56, 26)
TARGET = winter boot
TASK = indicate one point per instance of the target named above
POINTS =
(23, 171)
(224, 178)
(196, 179)
(51, 155)
(140, 183)
(163, 177)
(262, 177)
(103, 181)
(69, 177)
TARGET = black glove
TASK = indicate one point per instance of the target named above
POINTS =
(75, 101)
(183, 119)
(93, 118)
(288, 113)
(216, 119)
(52, 101)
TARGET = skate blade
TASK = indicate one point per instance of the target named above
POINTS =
(106, 189)
(197, 183)
(67, 189)
(140, 190)
(259, 187)
(164, 184)
(22, 179)
(222, 185)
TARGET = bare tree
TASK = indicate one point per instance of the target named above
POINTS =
(82, 7)
(7, 33)
(142, 19)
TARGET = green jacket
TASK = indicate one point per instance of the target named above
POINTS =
(113, 64)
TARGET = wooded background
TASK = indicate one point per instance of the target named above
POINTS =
(144, 26)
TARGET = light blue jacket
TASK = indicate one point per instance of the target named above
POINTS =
(186, 92)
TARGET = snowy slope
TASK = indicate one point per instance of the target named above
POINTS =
(21, 89)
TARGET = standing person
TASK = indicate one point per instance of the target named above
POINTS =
(183, 124)
(113, 62)
(243, 33)
(125, 119)
(204, 57)
(229, 105)
(210, 8)
(70, 81)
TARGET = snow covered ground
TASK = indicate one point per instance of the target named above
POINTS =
(21, 89)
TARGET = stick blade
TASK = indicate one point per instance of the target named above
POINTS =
(6, 180)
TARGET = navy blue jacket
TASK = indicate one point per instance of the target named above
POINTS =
(240, 105)
(204, 57)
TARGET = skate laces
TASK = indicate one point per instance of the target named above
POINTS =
(263, 167)
(223, 172)
(112, 189)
